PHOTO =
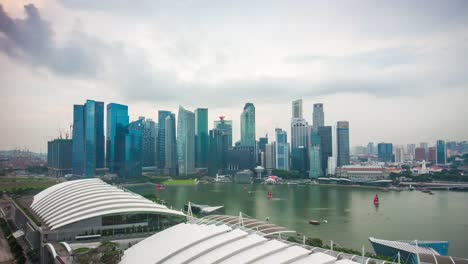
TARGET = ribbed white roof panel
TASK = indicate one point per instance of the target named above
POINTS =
(200, 243)
(72, 201)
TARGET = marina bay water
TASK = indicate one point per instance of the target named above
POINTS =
(350, 212)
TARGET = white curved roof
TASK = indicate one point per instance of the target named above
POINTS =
(73, 201)
(202, 243)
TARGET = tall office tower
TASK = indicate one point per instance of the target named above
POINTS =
(225, 126)
(299, 135)
(297, 109)
(59, 157)
(218, 148)
(432, 154)
(299, 159)
(170, 166)
(370, 148)
(342, 142)
(399, 154)
(150, 130)
(451, 145)
(248, 125)
(385, 152)
(117, 121)
(262, 142)
(410, 151)
(186, 141)
(133, 149)
(88, 138)
(331, 166)
(441, 152)
(315, 156)
(282, 149)
(326, 148)
(425, 146)
(201, 135)
(162, 114)
(419, 154)
(318, 116)
(270, 157)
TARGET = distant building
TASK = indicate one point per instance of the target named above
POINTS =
(370, 148)
(399, 154)
(315, 170)
(425, 146)
(360, 173)
(133, 149)
(270, 157)
(117, 121)
(419, 154)
(88, 138)
(243, 177)
(150, 130)
(225, 126)
(299, 135)
(218, 148)
(342, 139)
(326, 145)
(410, 149)
(331, 168)
(171, 164)
(59, 157)
(441, 152)
(248, 125)
(318, 116)
(431, 155)
(262, 142)
(186, 141)
(162, 115)
(201, 134)
(299, 159)
(240, 158)
(297, 109)
(282, 149)
(385, 152)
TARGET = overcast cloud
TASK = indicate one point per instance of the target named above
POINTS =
(400, 64)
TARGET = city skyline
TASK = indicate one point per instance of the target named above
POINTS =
(400, 64)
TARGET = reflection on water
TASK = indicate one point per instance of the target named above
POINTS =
(350, 212)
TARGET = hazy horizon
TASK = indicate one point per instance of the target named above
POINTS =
(396, 70)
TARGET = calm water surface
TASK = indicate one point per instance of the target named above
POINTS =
(350, 213)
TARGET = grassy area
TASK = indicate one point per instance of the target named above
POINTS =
(180, 182)
(81, 250)
(17, 184)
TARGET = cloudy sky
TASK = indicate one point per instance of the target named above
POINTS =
(396, 70)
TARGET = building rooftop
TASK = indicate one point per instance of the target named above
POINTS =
(73, 201)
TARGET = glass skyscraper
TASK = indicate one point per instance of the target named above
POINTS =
(297, 108)
(201, 133)
(248, 125)
(149, 142)
(282, 149)
(133, 149)
(315, 157)
(318, 118)
(171, 148)
(342, 134)
(385, 152)
(186, 141)
(88, 133)
(326, 146)
(162, 114)
(117, 121)
(225, 126)
(441, 152)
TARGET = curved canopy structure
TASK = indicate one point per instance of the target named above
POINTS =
(73, 201)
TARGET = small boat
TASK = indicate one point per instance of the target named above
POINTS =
(426, 190)
(314, 222)
(376, 200)
(411, 188)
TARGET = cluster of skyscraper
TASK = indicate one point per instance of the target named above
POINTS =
(313, 149)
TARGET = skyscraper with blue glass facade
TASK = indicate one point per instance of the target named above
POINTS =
(117, 121)
(133, 149)
(441, 152)
(162, 114)
(342, 141)
(171, 164)
(385, 152)
(88, 138)
(326, 146)
(248, 126)
(282, 149)
(201, 134)
(186, 141)
(315, 157)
